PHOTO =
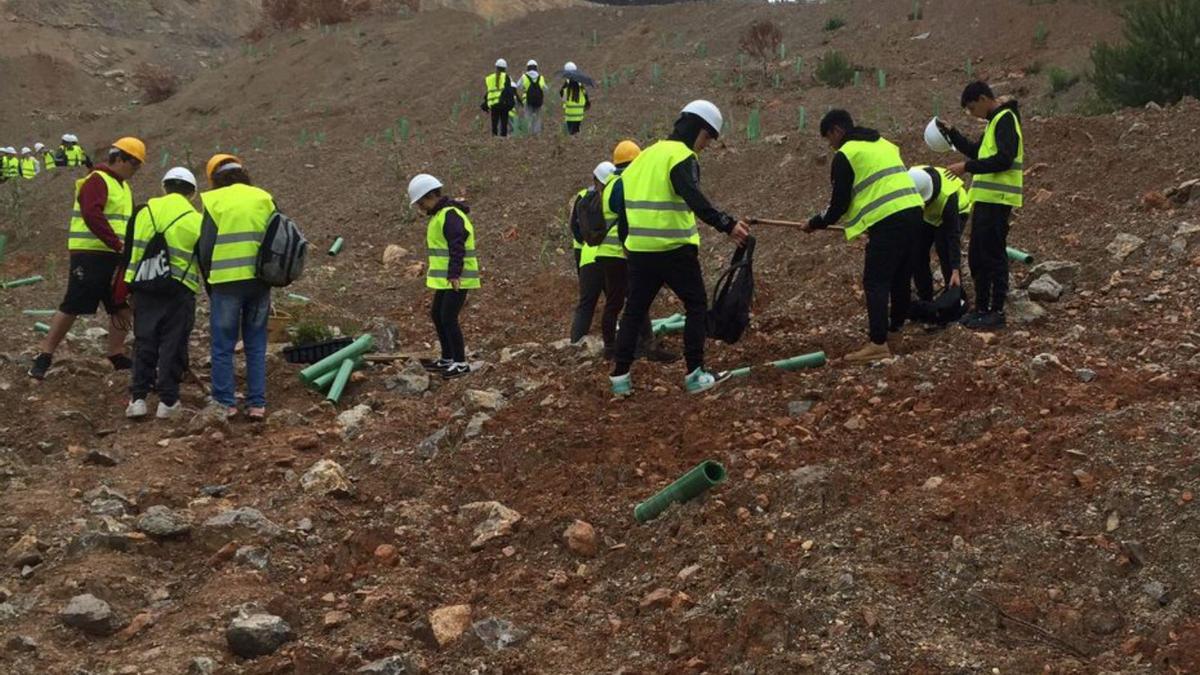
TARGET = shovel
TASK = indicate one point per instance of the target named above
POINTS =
(787, 223)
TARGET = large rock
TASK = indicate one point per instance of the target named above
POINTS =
(160, 521)
(210, 418)
(449, 623)
(351, 421)
(257, 635)
(1021, 309)
(240, 524)
(477, 399)
(25, 551)
(497, 634)
(493, 520)
(412, 381)
(392, 665)
(393, 255)
(90, 615)
(434, 443)
(1123, 245)
(475, 426)
(1045, 289)
(1062, 271)
(327, 477)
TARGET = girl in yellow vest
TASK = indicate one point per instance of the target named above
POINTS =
(591, 276)
(236, 214)
(453, 269)
(946, 206)
(574, 100)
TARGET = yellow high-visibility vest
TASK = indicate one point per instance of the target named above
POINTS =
(240, 213)
(574, 108)
(882, 185)
(611, 246)
(438, 250)
(117, 210)
(1005, 187)
(950, 186)
(179, 221)
(659, 220)
(495, 84)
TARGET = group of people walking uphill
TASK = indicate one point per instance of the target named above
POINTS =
(504, 99)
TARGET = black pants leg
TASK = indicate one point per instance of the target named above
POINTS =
(147, 317)
(885, 266)
(922, 277)
(573, 128)
(616, 288)
(437, 313)
(591, 285)
(499, 121)
(989, 257)
(174, 333)
(645, 280)
(683, 276)
(447, 304)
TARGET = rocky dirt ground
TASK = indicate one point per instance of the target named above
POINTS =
(1016, 502)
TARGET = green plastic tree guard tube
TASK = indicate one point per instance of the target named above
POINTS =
(360, 346)
(339, 382)
(23, 282)
(691, 484)
(1017, 255)
(337, 246)
(322, 383)
(39, 312)
(41, 327)
(740, 372)
(813, 360)
(299, 298)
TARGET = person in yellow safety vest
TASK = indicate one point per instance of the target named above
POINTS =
(235, 218)
(28, 164)
(500, 98)
(72, 154)
(997, 164)
(532, 90)
(453, 270)
(95, 242)
(574, 100)
(9, 164)
(163, 288)
(946, 206)
(47, 157)
(656, 203)
(591, 277)
(874, 193)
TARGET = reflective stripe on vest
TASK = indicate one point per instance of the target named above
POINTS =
(659, 220)
(495, 85)
(240, 213)
(180, 223)
(28, 168)
(9, 167)
(882, 186)
(1005, 187)
(573, 109)
(48, 161)
(949, 186)
(438, 250)
(576, 243)
(117, 210)
(74, 155)
(611, 246)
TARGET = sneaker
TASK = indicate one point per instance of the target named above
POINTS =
(622, 385)
(136, 409)
(120, 362)
(41, 363)
(700, 380)
(436, 365)
(872, 352)
(167, 412)
(971, 316)
(256, 414)
(456, 370)
(989, 321)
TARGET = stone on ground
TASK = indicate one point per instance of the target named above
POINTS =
(160, 521)
(90, 615)
(257, 635)
(327, 477)
(493, 520)
(449, 623)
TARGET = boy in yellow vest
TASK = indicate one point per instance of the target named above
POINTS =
(997, 164)
(164, 292)
(453, 269)
(103, 206)
(874, 193)
(946, 206)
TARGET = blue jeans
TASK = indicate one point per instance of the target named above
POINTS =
(232, 315)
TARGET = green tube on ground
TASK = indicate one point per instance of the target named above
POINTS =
(23, 282)
(337, 246)
(39, 312)
(339, 382)
(322, 383)
(667, 319)
(3, 245)
(691, 484)
(740, 372)
(41, 327)
(1017, 255)
(298, 298)
(360, 346)
(813, 360)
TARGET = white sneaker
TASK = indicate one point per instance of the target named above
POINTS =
(169, 412)
(136, 409)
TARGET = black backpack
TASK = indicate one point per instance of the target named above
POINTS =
(508, 95)
(946, 308)
(589, 215)
(534, 96)
(153, 272)
(730, 312)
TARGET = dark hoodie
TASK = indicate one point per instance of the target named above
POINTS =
(455, 232)
(1007, 143)
(841, 175)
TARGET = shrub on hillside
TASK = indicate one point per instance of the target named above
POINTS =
(835, 69)
(834, 23)
(297, 13)
(156, 82)
(1061, 79)
(1158, 61)
(761, 41)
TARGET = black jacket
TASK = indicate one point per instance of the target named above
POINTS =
(1007, 143)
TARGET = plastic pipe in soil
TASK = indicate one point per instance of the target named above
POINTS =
(339, 382)
(360, 346)
(813, 360)
(41, 327)
(322, 383)
(337, 246)
(39, 312)
(23, 282)
(674, 318)
(688, 486)
(1017, 255)
(740, 372)
(298, 298)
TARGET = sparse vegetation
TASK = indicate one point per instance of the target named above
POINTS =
(157, 82)
(310, 331)
(1061, 79)
(300, 13)
(1040, 35)
(835, 70)
(1157, 61)
(834, 23)
(1034, 68)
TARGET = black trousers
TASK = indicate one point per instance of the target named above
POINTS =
(499, 121)
(573, 128)
(162, 325)
(679, 270)
(591, 285)
(609, 276)
(988, 256)
(447, 304)
(931, 237)
(887, 272)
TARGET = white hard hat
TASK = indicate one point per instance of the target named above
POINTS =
(604, 171)
(70, 138)
(181, 174)
(924, 182)
(531, 64)
(501, 63)
(706, 111)
(570, 67)
(25, 150)
(421, 185)
(934, 137)
(8, 151)
(38, 147)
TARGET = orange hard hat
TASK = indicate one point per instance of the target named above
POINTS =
(217, 160)
(132, 147)
(625, 152)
